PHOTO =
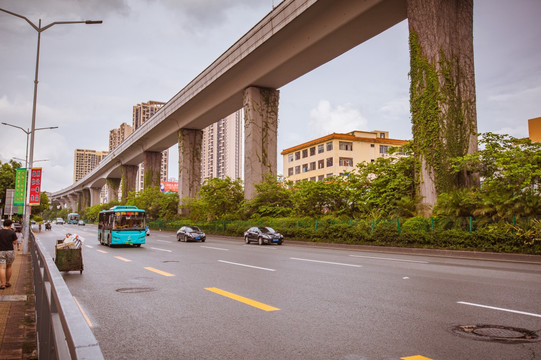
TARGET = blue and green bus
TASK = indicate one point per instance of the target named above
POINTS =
(73, 218)
(122, 225)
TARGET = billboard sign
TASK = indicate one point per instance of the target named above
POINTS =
(20, 187)
(35, 187)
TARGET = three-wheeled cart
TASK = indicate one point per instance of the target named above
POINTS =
(68, 259)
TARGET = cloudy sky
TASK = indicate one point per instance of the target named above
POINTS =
(90, 76)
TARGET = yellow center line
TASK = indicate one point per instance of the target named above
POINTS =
(83, 312)
(159, 271)
(102, 251)
(415, 357)
(123, 259)
(242, 299)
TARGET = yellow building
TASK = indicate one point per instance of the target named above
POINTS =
(335, 154)
(534, 129)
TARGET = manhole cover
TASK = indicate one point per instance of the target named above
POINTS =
(135, 290)
(496, 333)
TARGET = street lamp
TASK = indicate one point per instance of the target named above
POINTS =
(27, 132)
(39, 29)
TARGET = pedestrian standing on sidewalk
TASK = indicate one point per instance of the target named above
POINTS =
(19, 234)
(7, 255)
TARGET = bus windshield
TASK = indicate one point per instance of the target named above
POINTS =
(123, 221)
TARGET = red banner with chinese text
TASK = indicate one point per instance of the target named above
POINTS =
(35, 187)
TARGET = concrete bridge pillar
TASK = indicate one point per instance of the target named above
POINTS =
(94, 196)
(153, 164)
(260, 136)
(112, 189)
(189, 164)
(129, 177)
(73, 200)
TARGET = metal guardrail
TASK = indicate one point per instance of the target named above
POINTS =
(62, 332)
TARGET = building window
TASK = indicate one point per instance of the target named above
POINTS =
(290, 171)
(383, 149)
(345, 145)
(329, 162)
(304, 168)
(329, 175)
(372, 145)
(313, 178)
(345, 161)
(290, 157)
(320, 177)
(297, 169)
(312, 166)
(321, 164)
(329, 146)
(320, 149)
(297, 155)
(305, 153)
(312, 151)
(382, 135)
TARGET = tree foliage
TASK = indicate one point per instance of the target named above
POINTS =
(273, 199)
(510, 171)
(157, 204)
(217, 199)
(7, 178)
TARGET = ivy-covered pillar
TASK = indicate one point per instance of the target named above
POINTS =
(153, 164)
(189, 164)
(442, 93)
(260, 136)
(73, 200)
(113, 185)
(94, 195)
(129, 178)
(85, 200)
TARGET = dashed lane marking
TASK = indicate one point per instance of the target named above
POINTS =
(415, 357)
(243, 299)
(102, 251)
(159, 271)
(390, 259)
(214, 248)
(249, 266)
(123, 259)
(153, 248)
(326, 262)
(500, 309)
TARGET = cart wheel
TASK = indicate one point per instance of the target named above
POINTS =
(81, 271)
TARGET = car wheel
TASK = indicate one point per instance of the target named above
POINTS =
(203, 240)
(246, 240)
(280, 243)
(260, 240)
(178, 237)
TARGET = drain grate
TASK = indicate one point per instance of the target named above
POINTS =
(496, 333)
(134, 290)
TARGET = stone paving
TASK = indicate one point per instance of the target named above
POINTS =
(17, 313)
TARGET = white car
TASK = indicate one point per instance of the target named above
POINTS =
(60, 221)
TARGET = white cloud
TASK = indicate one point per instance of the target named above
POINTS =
(326, 119)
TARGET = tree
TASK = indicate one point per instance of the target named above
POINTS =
(158, 205)
(272, 199)
(43, 205)
(217, 199)
(7, 178)
(510, 170)
(442, 93)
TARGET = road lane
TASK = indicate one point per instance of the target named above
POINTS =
(382, 309)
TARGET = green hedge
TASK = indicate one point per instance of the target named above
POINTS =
(514, 236)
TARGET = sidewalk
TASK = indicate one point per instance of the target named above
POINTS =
(17, 313)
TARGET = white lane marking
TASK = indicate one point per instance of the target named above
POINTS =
(215, 248)
(405, 278)
(326, 262)
(250, 266)
(390, 259)
(164, 241)
(500, 309)
(161, 249)
(87, 319)
(90, 247)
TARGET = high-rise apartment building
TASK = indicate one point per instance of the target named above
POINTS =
(335, 154)
(141, 113)
(85, 161)
(221, 153)
(117, 136)
(534, 129)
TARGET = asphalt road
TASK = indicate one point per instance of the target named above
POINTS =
(223, 299)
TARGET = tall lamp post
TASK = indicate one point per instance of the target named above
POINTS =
(27, 132)
(39, 29)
